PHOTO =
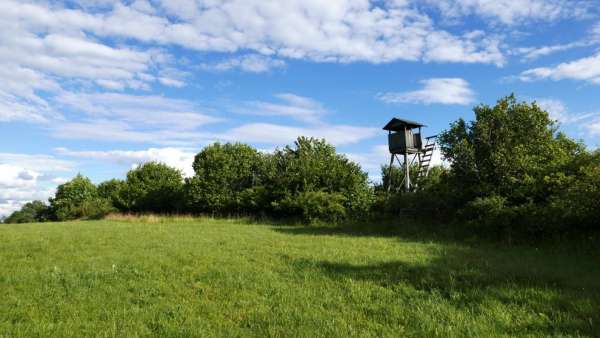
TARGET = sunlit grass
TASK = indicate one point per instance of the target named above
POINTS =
(180, 276)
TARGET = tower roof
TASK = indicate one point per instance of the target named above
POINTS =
(397, 124)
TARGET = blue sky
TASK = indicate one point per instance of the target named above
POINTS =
(97, 86)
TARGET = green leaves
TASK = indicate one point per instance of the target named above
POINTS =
(226, 175)
(154, 187)
(512, 169)
(79, 198)
(309, 180)
(507, 150)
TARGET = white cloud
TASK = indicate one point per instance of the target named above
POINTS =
(444, 47)
(40, 163)
(588, 122)
(181, 159)
(593, 127)
(532, 53)
(146, 110)
(25, 177)
(291, 105)
(584, 69)
(439, 90)
(512, 12)
(19, 186)
(253, 63)
(555, 108)
(266, 133)
(558, 111)
(115, 117)
(323, 31)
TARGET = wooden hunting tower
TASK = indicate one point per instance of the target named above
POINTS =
(404, 138)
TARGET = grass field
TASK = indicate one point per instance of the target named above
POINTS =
(183, 277)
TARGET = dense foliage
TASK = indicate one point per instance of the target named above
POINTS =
(308, 181)
(227, 179)
(511, 173)
(153, 187)
(312, 173)
(116, 192)
(78, 198)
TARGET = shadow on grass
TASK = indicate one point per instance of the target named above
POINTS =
(407, 229)
(465, 278)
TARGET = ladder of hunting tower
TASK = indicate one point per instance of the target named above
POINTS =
(425, 158)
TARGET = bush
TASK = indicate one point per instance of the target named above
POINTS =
(513, 172)
(433, 198)
(154, 187)
(313, 165)
(578, 200)
(70, 198)
(36, 211)
(115, 191)
(507, 151)
(227, 180)
(314, 206)
(93, 208)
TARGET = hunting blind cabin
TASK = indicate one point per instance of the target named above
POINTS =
(404, 138)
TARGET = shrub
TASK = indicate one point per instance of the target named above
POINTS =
(490, 213)
(313, 165)
(227, 179)
(70, 197)
(36, 211)
(578, 202)
(92, 208)
(433, 198)
(511, 170)
(315, 206)
(115, 191)
(154, 187)
(507, 151)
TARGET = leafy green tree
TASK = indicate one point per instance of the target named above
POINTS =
(115, 191)
(35, 211)
(154, 187)
(507, 151)
(313, 165)
(228, 179)
(78, 198)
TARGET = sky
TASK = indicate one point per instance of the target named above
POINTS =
(98, 86)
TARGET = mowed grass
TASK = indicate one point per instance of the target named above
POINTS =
(204, 277)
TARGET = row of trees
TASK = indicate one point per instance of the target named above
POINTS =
(511, 171)
(308, 180)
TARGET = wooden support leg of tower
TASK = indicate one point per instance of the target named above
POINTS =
(406, 173)
(390, 175)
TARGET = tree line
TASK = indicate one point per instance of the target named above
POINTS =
(308, 180)
(511, 171)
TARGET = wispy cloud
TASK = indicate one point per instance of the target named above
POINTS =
(252, 63)
(275, 134)
(175, 157)
(438, 90)
(290, 105)
(510, 12)
(584, 69)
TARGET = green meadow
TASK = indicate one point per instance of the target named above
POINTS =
(185, 277)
